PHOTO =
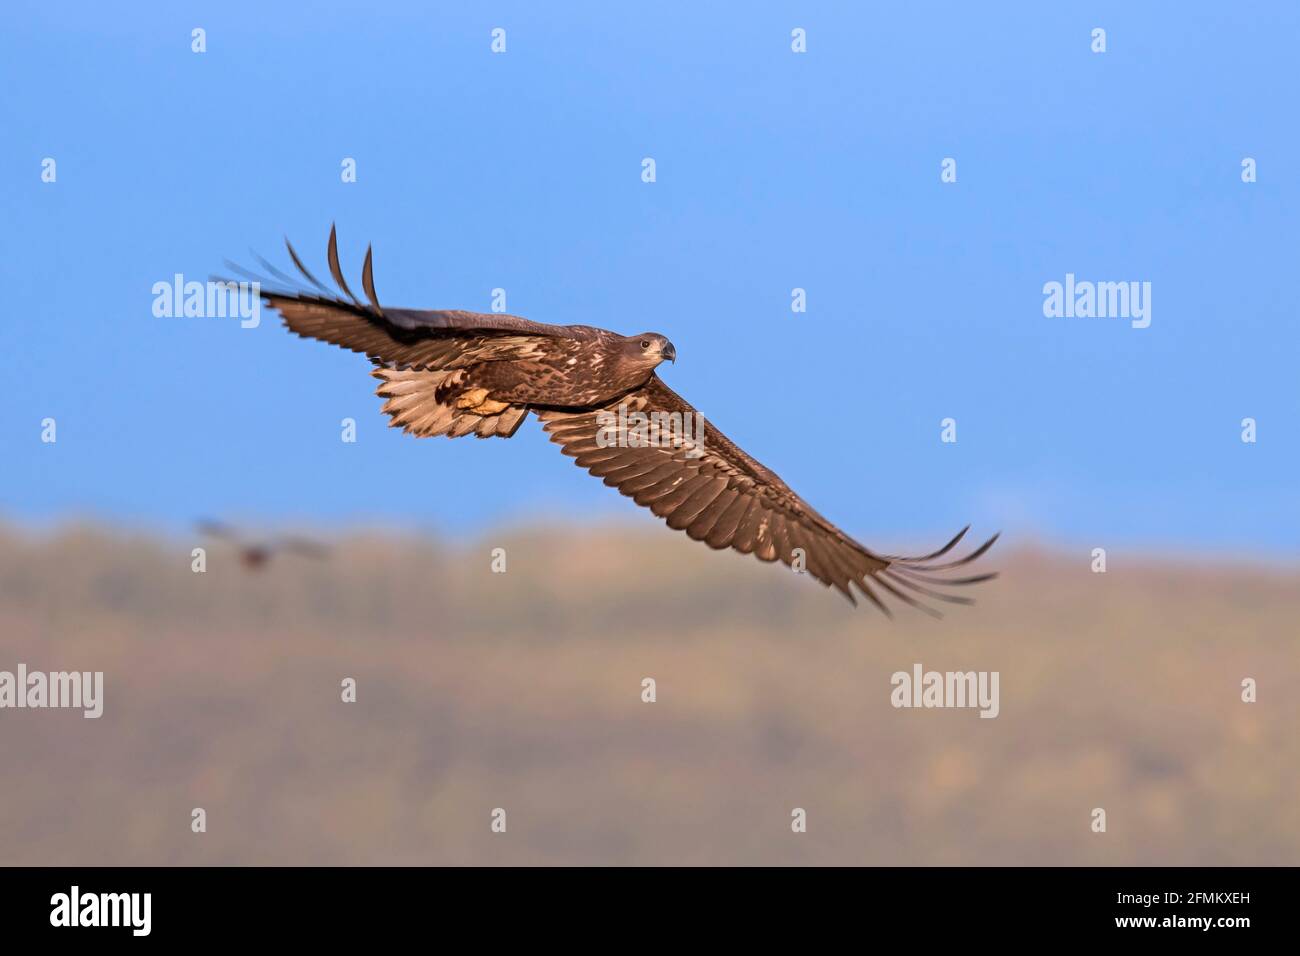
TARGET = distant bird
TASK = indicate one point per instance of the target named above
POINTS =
(457, 373)
(253, 555)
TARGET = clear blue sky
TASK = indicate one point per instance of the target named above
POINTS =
(775, 170)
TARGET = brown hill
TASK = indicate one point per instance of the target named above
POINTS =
(522, 690)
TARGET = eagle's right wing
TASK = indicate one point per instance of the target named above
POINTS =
(696, 479)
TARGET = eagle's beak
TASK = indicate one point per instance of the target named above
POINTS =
(669, 352)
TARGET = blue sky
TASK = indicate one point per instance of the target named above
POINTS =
(775, 170)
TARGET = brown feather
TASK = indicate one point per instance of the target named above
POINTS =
(368, 282)
(335, 271)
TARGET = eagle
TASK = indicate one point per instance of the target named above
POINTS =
(254, 554)
(599, 397)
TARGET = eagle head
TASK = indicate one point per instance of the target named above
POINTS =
(650, 348)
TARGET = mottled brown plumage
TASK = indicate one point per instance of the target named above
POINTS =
(457, 373)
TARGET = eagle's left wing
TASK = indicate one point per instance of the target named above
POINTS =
(396, 339)
(689, 473)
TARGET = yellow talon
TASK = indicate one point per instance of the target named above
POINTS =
(471, 398)
(476, 400)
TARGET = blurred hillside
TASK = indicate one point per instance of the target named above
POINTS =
(523, 691)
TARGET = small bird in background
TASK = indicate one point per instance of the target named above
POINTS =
(254, 554)
(598, 396)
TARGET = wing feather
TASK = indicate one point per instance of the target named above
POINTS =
(724, 531)
(703, 524)
(690, 509)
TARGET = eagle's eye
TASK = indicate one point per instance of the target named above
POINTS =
(645, 343)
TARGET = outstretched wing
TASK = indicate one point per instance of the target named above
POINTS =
(395, 338)
(690, 474)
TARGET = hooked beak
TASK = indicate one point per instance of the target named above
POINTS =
(669, 352)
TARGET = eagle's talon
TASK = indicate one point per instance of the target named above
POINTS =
(472, 398)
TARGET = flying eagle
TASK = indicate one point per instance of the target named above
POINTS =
(254, 555)
(599, 398)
